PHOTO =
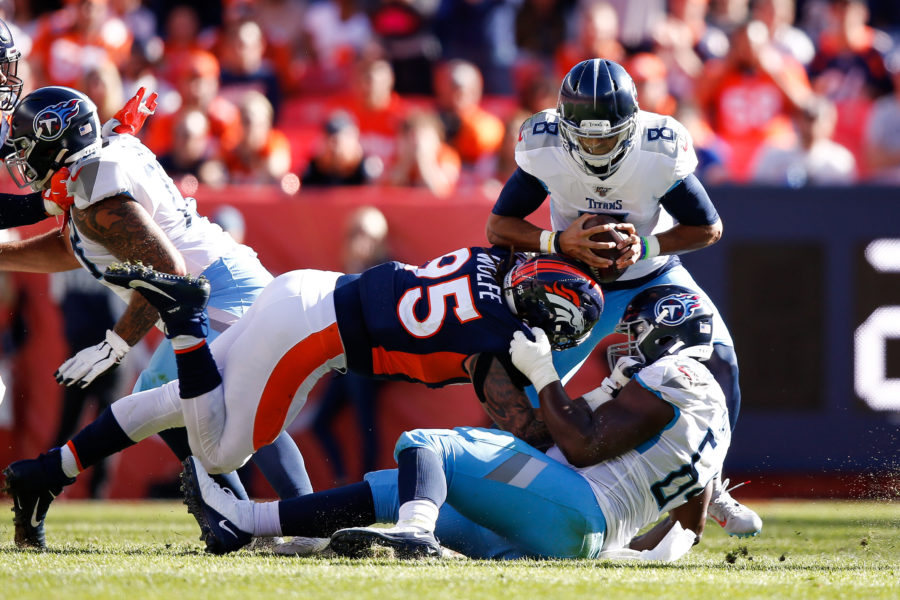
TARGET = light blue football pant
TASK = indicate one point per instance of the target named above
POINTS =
(505, 499)
(567, 362)
(235, 283)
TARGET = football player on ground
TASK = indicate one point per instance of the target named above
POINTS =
(650, 440)
(125, 208)
(598, 153)
(448, 321)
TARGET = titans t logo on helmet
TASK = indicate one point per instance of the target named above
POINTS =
(52, 122)
(676, 308)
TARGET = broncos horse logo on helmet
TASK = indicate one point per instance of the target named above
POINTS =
(50, 128)
(555, 294)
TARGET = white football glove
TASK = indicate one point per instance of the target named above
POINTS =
(676, 543)
(534, 359)
(90, 363)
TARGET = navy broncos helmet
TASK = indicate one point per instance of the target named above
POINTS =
(51, 127)
(553, 293)
(597, 110)
(663, 320)
(9, 67)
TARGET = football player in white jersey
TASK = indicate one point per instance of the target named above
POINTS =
(125, 208)
(598, 153)
(649, 441)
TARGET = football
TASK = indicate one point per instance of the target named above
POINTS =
(612, 272)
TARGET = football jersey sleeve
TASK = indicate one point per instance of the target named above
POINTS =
(536, 134)
(95, 179)
(671, 144)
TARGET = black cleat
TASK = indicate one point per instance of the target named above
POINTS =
(180, 299)
(32, 489)
(357, 542)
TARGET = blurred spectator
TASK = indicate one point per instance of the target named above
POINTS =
(596, 37)
(263, 154)
(482, 33)
(192, 154)
(244, 67)
(341, 159)
(649, 74)
(197, 83)
(815, 159)
(728, 15)
(9, 12)
(140, 20)
(540, 93)
(882, 133)
(475, 133)
(338, 31)
(364, 246)
(423, 158)
(141, 70)
(850, 61)
(637, 20)
(376, 107)
(88, 310)
(541, 28)
(403, 30)
(182, 32)
(79, 35)
(684, 40)
(849, 69)
(750, 95)
(778, 16)
(103, 84)
(284, 48)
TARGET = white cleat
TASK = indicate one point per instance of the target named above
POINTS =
(303, 546)
(735, 518)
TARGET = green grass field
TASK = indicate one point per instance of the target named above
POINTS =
(130, 551)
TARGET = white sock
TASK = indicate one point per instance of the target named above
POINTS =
(69, 464)
(266, 520)
(420, 514)
(182, 342)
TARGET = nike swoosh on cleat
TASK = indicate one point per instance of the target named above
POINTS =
(223, 525)
(34, 521)
(136, 283)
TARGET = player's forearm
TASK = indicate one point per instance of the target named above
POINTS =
(45, 253)
(651, 539)
(682, 239)
(138, 319)
(513, 232)
(570, 424)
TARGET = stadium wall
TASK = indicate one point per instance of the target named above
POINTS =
(808, 280)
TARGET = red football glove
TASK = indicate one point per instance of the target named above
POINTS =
(56, 198)
(131, 117)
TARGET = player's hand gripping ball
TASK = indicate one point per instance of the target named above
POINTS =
(612, 272)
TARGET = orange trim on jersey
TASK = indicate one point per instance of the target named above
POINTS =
(191, 348)
(71, 448)
(292, 369)
(427, 368)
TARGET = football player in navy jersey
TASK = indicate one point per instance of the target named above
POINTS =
(598, 153)
(447, 321)
(487, 494)
(121, 206)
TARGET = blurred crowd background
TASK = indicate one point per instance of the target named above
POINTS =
(335, 118)
(431, 93)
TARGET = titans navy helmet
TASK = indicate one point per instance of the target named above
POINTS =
(554, 294)
(51, 127)
(11, 86)
(663, 320)
(597, 110)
